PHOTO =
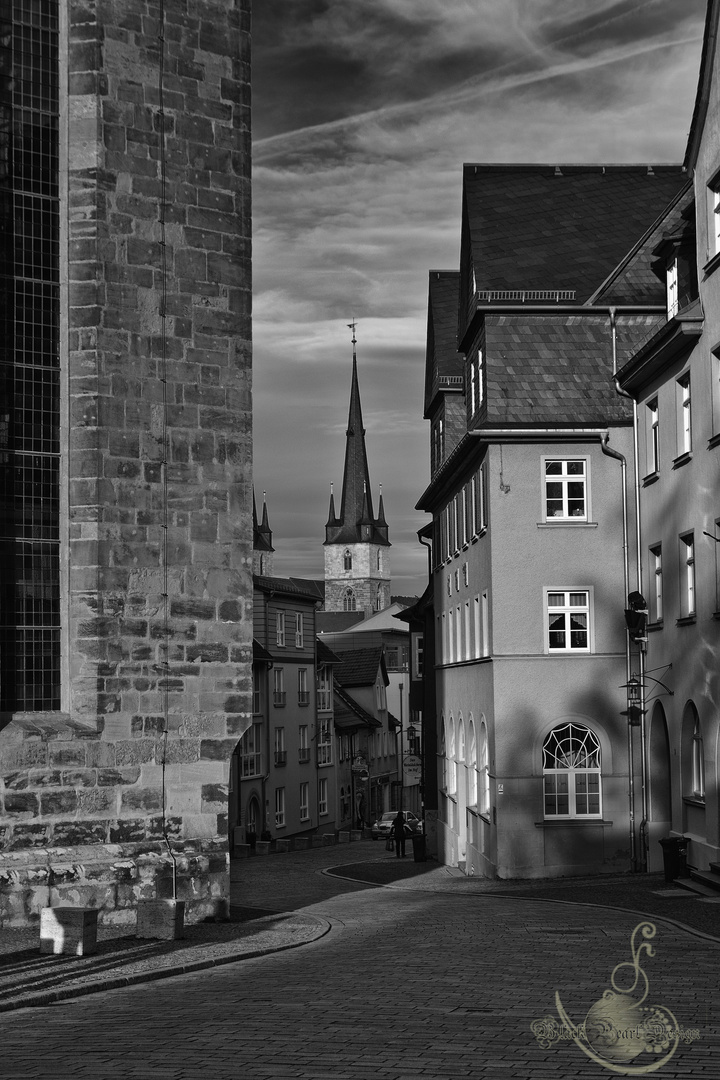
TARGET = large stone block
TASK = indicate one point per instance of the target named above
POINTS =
(70, 930)
(163, 920)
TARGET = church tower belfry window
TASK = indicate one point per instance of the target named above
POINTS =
(347, 559)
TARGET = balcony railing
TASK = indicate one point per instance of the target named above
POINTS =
(303, 697)
(278, 697)
(280, 757)
(525, 296)
(304, 753)
(323, 700)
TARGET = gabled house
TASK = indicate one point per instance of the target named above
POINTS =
(361, 680)
(530, 445)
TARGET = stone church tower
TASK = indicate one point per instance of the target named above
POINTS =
(357, 563)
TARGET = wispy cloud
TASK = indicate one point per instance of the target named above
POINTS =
(365, 112)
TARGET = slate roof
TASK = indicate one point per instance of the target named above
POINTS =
(634, 279)
(281, 585)
(310, 585)
(547, 227)
(442, 355)
(359, 667)
(348, 714)
(325, 655)
(330, 622)
(260, 653)
(557, 369)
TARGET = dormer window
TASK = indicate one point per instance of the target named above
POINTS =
(672, 288)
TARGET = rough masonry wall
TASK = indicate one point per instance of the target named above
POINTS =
(89, 781)
(364, 577)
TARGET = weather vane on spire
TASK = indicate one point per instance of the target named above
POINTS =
(353, 326)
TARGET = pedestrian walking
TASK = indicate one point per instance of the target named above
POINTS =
(400, 830)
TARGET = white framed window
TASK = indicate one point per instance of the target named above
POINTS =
(656, 583)
(714, 218)
(349, 600)
(324, 688)
(566, 489)
(299, 630)
(322, 797)
(303, 692)
(466, 574)
(278, 686)
(568, 620)
(468, 640)
(458, 633)
(571, 773)
(653, 437)
(280, 629)
(480, 377)
(279, 807)
(485, 604)
(687, 575)
(483, 772)
(418, 643)
(305, 801)
(479, 504)
(451, 636)
(324, 747)
(303, 743)
(466, 522)
(472, 786)
(698, 761)
(438, 444)
(672, 289)
(250, 751)
(451, 765)
(280, 752)
(684, 420)
(473, 388)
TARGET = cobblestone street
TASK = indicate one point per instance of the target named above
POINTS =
(424, 979)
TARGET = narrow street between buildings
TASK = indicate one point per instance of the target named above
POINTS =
(436, 976)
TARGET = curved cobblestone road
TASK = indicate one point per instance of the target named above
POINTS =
(408, 984)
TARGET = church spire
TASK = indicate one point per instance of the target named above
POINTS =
(262, 541)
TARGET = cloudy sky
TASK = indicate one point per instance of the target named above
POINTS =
(363, 114)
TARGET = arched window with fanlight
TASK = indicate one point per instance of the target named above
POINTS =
(347, 559)
(571, 773)
(451, 763)
(472, 765)
(349, 600)
(483, 772)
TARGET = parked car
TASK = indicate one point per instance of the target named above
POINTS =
(383, 826)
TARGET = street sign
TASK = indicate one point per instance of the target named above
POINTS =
(412, 766)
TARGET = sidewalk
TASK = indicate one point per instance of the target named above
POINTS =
(268, 896)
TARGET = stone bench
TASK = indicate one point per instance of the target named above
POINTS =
(262, 847)
(281, 846)
(68, 930)
(317, 841)
(242, 851)
(302, 843)
(343, 838)
(328, 839)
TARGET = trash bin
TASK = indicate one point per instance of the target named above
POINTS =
(674, 856)
(418, 843)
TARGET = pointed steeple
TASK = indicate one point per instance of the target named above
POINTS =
(262, 541)
(332, 520)
(356, 477)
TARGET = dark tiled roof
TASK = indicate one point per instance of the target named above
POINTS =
(281, 585)
(328, 622)
(359, 667)
(260, 653)
(554, 369)
(442, 357)
(634, 280)
(348, 714)
(535, 227)
(310, 585)
(325, 655)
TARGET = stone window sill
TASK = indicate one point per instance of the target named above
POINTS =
(714, 441)
(564, 523)
(653, 627)
(572, 823)
(651, 478)
(682, 459)
(693, 800)
(711, 265)
(687, 620)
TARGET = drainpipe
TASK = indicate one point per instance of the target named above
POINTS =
(638, 572)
